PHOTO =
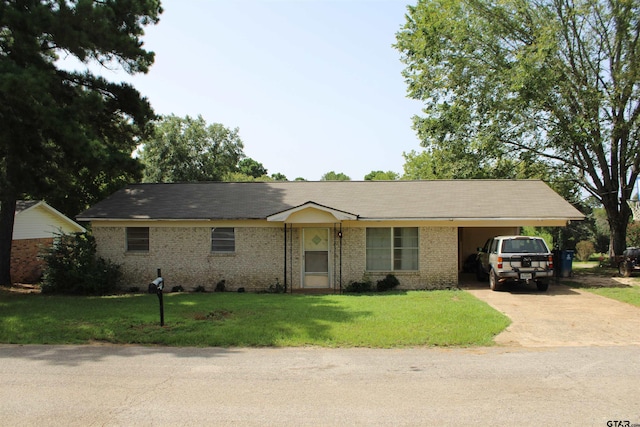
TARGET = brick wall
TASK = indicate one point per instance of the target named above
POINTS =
(26, 266)
(185, 257)
(437, 263)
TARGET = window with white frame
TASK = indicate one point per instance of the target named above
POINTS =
(137, 239)
(392, 249)
(223, 239)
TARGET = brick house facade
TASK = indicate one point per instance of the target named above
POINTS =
(320, 235)
(184, 255)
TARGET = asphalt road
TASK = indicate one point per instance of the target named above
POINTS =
(158, 386)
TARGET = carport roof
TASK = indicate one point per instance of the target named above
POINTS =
(367, 200)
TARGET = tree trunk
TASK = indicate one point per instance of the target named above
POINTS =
(7, 218)
(618, 227)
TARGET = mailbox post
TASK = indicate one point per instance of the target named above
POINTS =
(159, 285)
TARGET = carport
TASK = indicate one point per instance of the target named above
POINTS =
(539, 207)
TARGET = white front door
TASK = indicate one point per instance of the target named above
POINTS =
(316, 258)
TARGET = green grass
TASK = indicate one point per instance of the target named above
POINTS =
(629, 295)
(625, 293)
(419, 318)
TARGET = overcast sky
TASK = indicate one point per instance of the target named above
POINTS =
(313, 85)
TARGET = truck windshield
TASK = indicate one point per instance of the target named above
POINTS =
(523, 246)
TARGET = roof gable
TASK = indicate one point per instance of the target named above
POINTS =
(36, 219)
(286, 215)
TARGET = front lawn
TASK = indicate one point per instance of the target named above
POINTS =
(608, 287)
(402, 319)
(602, 279)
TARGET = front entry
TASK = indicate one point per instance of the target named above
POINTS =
(316, 258)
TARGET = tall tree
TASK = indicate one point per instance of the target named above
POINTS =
(554, 79)
(187, 150)
(63, 129)
(251, 167)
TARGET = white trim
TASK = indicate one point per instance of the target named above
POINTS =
(339, 215)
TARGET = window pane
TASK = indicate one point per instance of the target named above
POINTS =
(405, 254)
(223, 239)
(379, 259)
(385, 253)
(378, 249)
(316, 262)
(138, 239)
(378, 237)
(405, 259)
(405, 237)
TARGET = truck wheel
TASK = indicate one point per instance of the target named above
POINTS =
(480, 274)
(493, 281)
(624, 268)
(543, 286)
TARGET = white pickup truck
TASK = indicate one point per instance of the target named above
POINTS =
(515, 259)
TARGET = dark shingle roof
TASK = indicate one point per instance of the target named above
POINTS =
(23, 205)
(458, 199)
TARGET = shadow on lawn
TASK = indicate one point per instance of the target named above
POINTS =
(110, 325)
(264, 320)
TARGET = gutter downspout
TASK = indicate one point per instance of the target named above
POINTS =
(285, 257)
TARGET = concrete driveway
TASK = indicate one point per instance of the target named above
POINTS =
(563, 316)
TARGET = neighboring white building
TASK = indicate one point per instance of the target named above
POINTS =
(36, 224)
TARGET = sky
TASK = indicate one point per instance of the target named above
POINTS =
(312, 85)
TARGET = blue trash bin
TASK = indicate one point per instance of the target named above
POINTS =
(566, 263)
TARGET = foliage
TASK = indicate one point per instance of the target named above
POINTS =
(188, 150)
(415, 318)
(279, 176)
(584, 250)
(633, 235)
(423, 166)
(389, 282)
(275, 288)
(381, 176)
(333, 176)
(72, 267)
(67, 136)
(539, 232)
(363, 286)
(540, 84)
(241, 177)
(251, 168)
(444, 163)
(220, 286)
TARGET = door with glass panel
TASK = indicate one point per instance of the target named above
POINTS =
(316, 258)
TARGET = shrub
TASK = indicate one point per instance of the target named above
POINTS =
(633, 234)
(584, 250)
(220, 286)
(72, 267)
(276, 288)
(389, 282)
(360, 287)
